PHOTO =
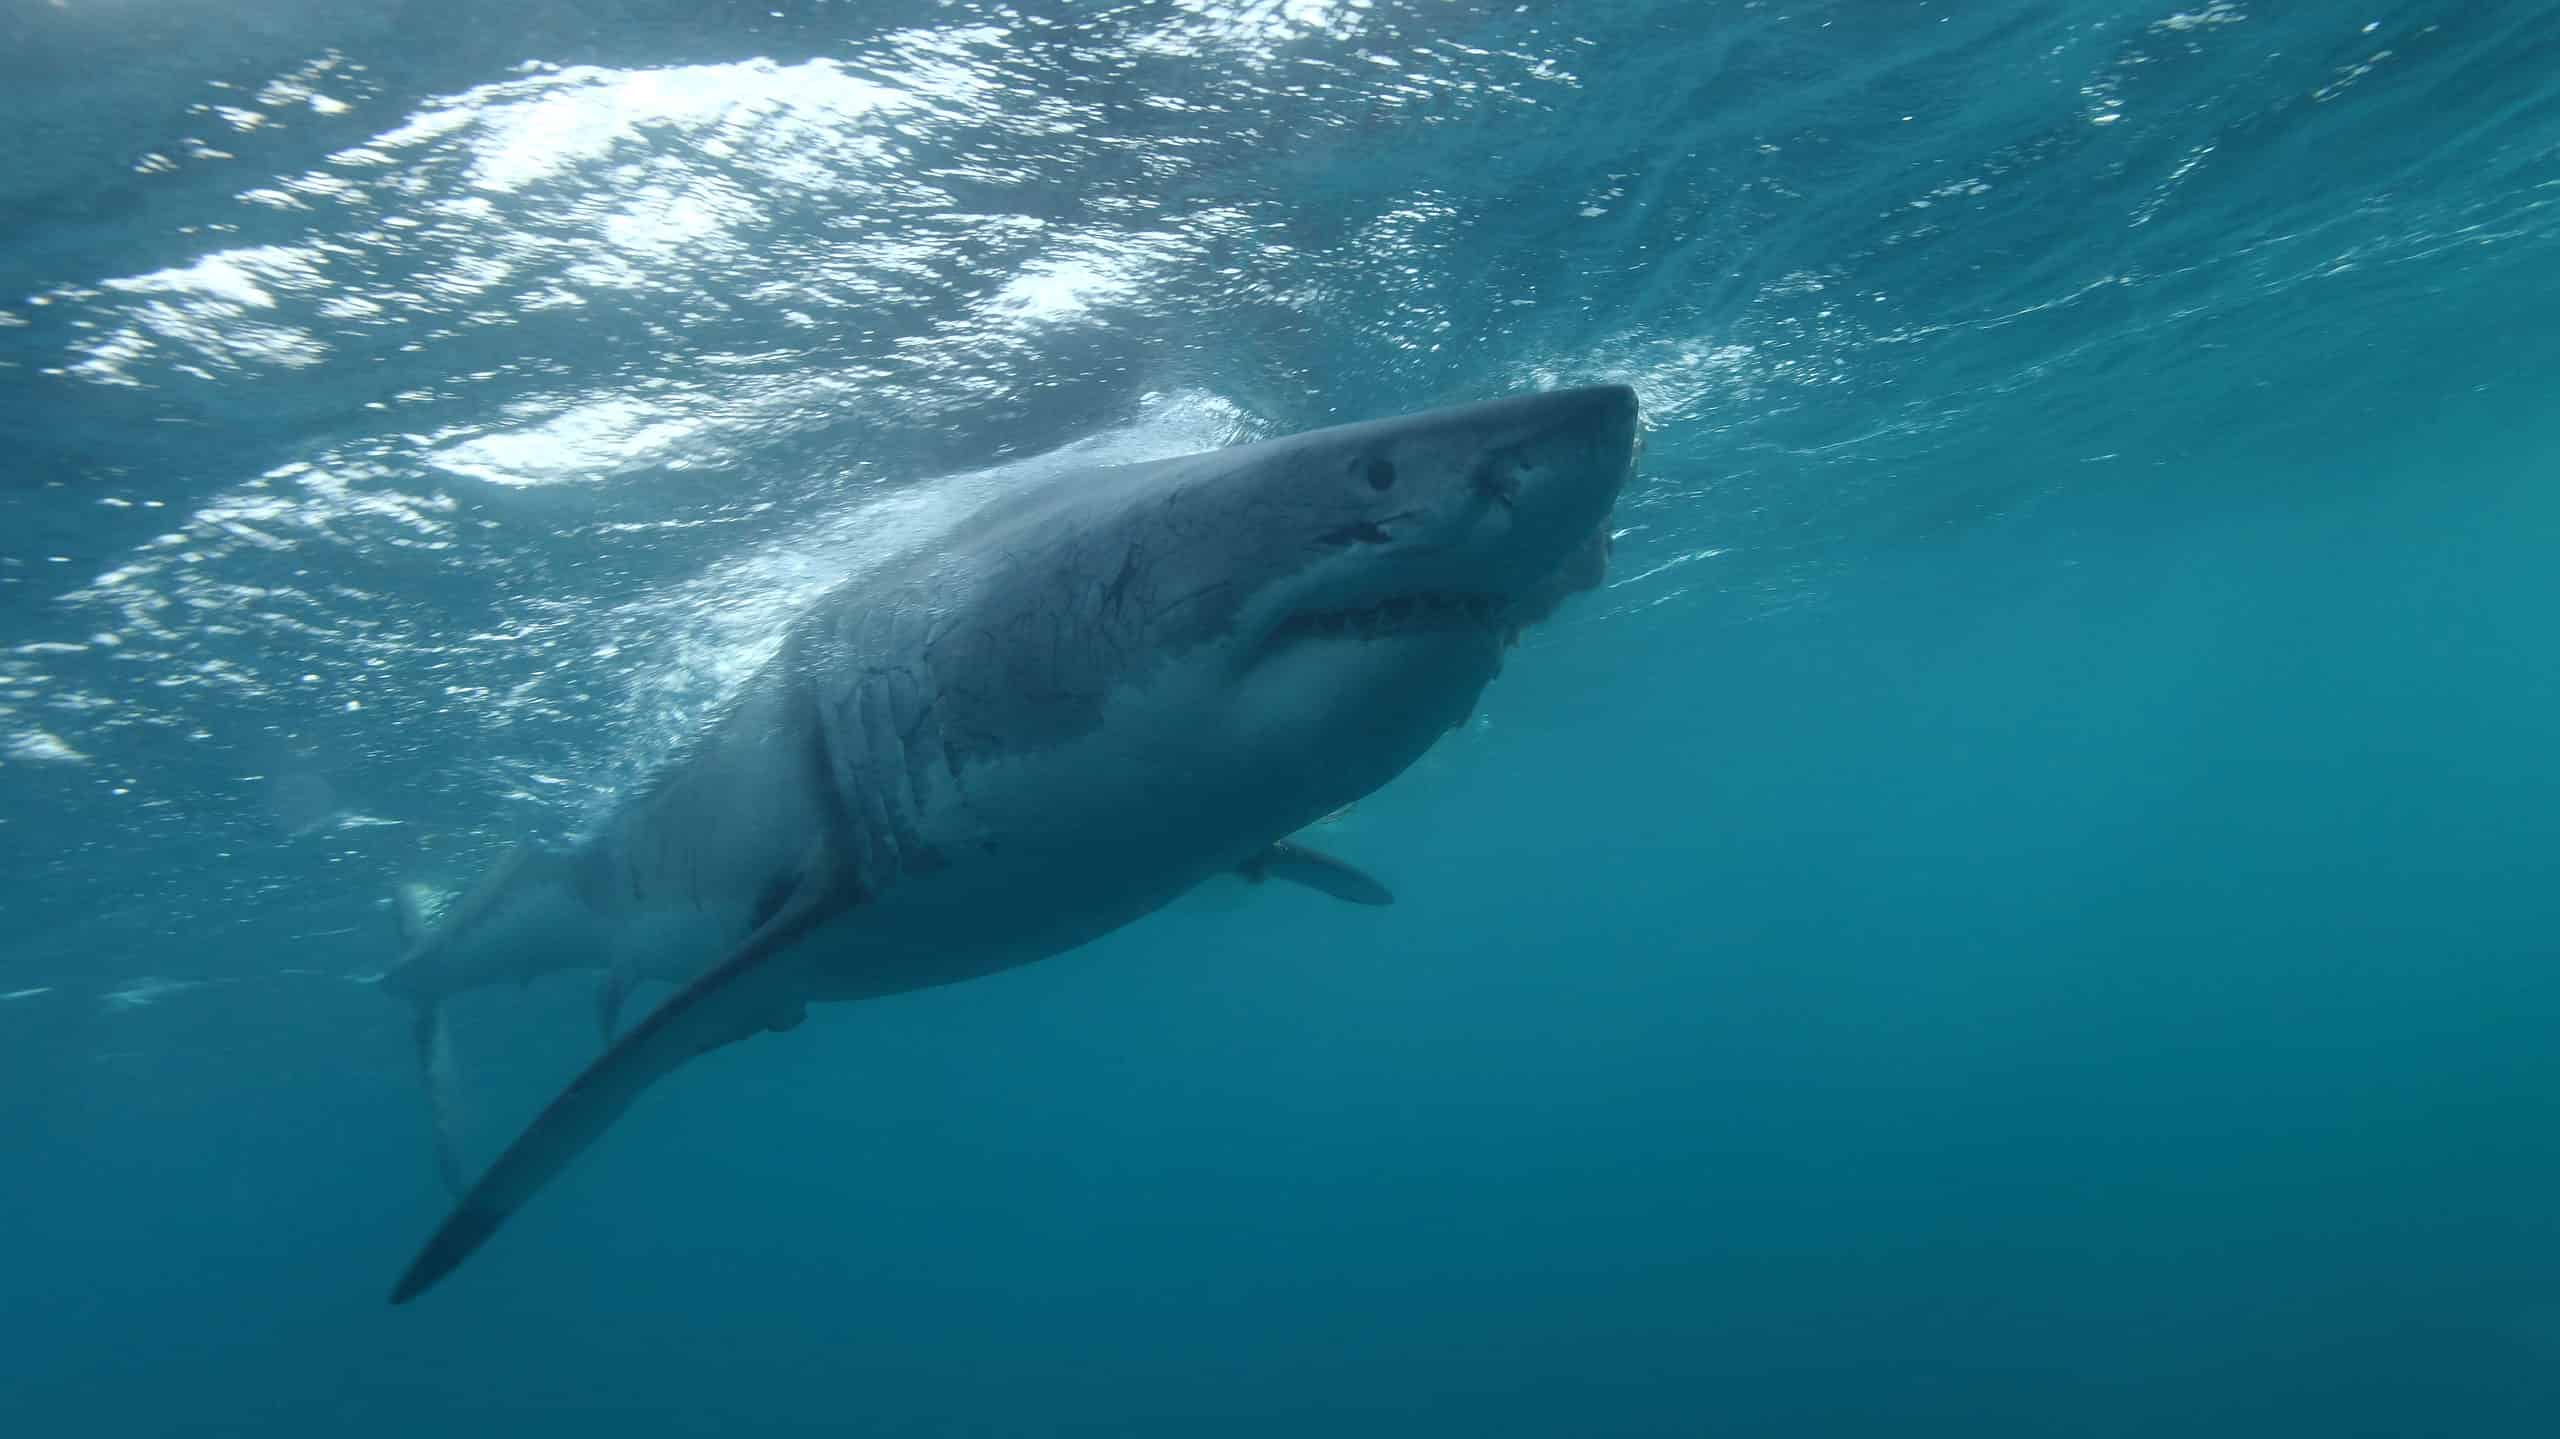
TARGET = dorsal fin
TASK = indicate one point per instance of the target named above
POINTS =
(410, 906)
(468, 906)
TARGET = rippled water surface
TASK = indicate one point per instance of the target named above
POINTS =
(2023, 907)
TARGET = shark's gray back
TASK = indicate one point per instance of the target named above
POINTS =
(954, 726)
(923, 719)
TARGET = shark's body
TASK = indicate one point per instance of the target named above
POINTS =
(1097, 693)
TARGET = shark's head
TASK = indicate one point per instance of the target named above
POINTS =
(1260, 634)
(1392, 564)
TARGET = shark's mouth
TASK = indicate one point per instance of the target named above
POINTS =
(1403, 615)
(1456, 613)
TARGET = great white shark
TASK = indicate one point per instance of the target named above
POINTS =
(1090, 696)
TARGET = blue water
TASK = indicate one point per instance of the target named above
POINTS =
(2026, 908)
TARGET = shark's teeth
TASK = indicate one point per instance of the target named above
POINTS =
(1403, 614)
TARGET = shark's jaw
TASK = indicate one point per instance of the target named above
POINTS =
(1412, 666)
(1395, 672)
(1453, 615)
(1449, 613)
(1383, 637)
(1503, 512)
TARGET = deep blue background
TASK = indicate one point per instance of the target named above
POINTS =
(2026, 909)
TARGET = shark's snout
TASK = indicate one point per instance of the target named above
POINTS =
(1593, 434)
(1560, 483)
(1451, 527)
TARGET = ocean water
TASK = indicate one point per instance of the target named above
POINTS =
(2025, 908)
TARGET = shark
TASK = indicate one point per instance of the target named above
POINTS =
(1092, 695)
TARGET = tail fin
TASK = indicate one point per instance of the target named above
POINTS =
(745, 994)
(435, 1066)
(434, 1042)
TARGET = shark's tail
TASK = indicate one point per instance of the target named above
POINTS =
(435, 1062)
(434, 1042)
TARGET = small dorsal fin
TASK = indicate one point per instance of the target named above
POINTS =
(1321, 872)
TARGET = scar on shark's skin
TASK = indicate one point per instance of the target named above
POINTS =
(1091, 696)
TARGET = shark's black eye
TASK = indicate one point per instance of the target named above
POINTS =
(1381, 474)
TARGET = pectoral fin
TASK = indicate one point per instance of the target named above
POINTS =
(1317, 871)
(756, 988)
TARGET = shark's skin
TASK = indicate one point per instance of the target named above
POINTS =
(1096, 693)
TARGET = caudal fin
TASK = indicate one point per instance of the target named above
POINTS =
(746, 994)
(429, 1035)
(435, 1067)
(611, 991)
